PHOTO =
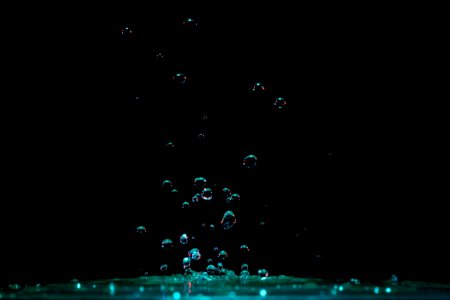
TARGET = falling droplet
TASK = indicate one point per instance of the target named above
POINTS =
(233, 198)
(163, 268)
(194, 254)
(140, 230)
(263, 273)
(201, 137)
(209, 261)
(222, 255)
(167, 184)
(212, 227)
(207, 194)
(258, 88)
(167, 244)
(174, 191)
(245, 248)
(185, 205)
(226, 192)
(279, 103)
(250, 161)
(211, 269)
(228, 220)
(184, 239)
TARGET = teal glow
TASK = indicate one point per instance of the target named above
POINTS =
(388, 290)
(141, 289)
(376, 290)
(341, 288)
(176, 295)
(263, 293)
(78, 285)
(112, 288)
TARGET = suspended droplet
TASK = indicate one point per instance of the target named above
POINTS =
(184, 238)
(245, 248)
(216, 249)
(186, 262)
(167, 184)
(263, 273)
(195, 254)
(212, 227)
(279, 103)
(250, 161)
(126, 31)
(199, 183)
(258, 87)
(228, 220)
(170, 146)
(140, 230)
(206, 194)
(209, 261)
(233, 198)
(185, 205)
(174, 191)
(163, 268)
(222, 254)
(196, 198)
(180, 78)
(244, 267)
(167, 244)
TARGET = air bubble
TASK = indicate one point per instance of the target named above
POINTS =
(228, 220)
(250, 161)
(206, 194)
(167, 244)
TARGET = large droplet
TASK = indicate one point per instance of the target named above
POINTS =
(279, 103)
(199, 183)
(163, 268)
(207, 194)
(228, 220)
(194, 254)
(250, 161)
(263, 273)
(184, 238)
(141, 230)
(167, 244)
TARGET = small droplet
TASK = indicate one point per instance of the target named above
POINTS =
(263, 273)
(196, 198)
(233, 198)
(394, 279)
(222, 254)
(184, 239)
(354, 281)
(250, 161)
(185, 204)
(201, 137)
(245, 248)
(170, 146)
(174, 191)
(216, 249)
(167, 244)
(140, 230)
(199, 183)
(263, 292)
(227, 192)
(163, 268)
(167, 184)
(279, 103)
(209, 261)
(244, 267)
(211, 269)
(258, 87)
(180, 78)
(186, 262)
(194, 254)
(228, 220)
(207, 194)
(220, 266)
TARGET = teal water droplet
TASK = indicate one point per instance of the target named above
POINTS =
(180, 79)
(140, 230)
(199, 183)
(167, 244)
(186, 262)
(245, 248)
(185, 204)
(250, 161)
(184, 239)
(263, 273)
(222, 255)
(167, 184)
(195, 254)
(233, 198)
(163, 267)
(244, 267)
(228, 220)
(206, 194)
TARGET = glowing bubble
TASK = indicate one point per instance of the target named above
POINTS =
(78, 285)
(258, 87)
(206, 194)
(388, 290)
(222, 254)
(163, 268)
(167, 244)
(196, 198)
(209, 261)
(167, 184)
(262, 292)
(279, 103)
(186, 262)
(174, 191)
(184, 238)
(244, 273)
(263, 273)
(219, 265)
(228, 220)
(185, 204)
(245, 248)
(250, 161)
(194, 253)
(180, 78)
(176, 295)
(141, 230)
(376, 290)
(199, 183)
(226, 192)
(211, 269)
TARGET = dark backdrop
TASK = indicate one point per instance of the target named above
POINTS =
(345, 181)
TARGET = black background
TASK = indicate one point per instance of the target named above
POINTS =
(348, 171)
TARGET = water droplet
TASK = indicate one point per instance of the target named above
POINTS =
(376, 290)
(184, 238)
(141, 230)
(279, 103)
(195, 254)
(227, 192)
(233, 198)
(211, 227)
(228, 220)
(262, 224)
(199, 183)
(180, 78)
(201, 137)
(186, 262)
(394, 279)
(388, 290)
(207, 194)
(185, 204)
(244, 267)
(263, 273)
(167, 244)
(126, 31)
(196, 198)
(176, 295)
(209, 261)
(78, 285)
(189, 23)
(216, 249)
(112, 288)
(211, 269)
(170, 146)
(250, 161)
(222, 254)
(163, 267)
(220, 266)
(167, 184)
(258, 87)
(245, 248)
(174, 191)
